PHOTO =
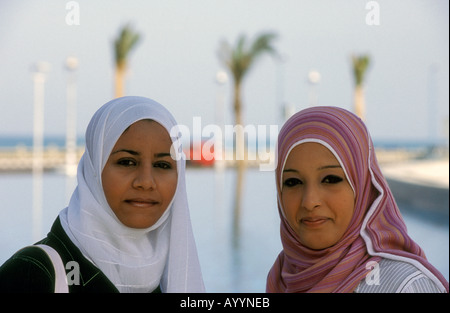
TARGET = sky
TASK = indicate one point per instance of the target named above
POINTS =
(176, 60)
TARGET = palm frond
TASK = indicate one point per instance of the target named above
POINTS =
(124, 43)
(241, 58)
(360, 66)
(263, 44)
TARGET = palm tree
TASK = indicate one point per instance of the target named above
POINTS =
(360, 66)
(239, 60)
(123, 44)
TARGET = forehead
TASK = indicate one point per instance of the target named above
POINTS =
(145, 132)
(309, 153)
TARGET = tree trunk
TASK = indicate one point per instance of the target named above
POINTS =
(241, 164)
(359, 103)
(120, 80)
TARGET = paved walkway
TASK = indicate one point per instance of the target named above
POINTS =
(431, 173)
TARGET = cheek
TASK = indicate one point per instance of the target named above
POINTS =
(109, 189)
(290, 203)
(112, 185)
(167, 185)
(345, 211)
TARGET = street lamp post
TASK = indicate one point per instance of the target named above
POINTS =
(313, 79)
(287, 109)
(219, 160)
(221, 80)
(39, 73)
(71, 65)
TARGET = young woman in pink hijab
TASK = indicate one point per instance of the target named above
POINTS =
(341, 229)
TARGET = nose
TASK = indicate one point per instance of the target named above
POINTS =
(311, 198)
(144, 178)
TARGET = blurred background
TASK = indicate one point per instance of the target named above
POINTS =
(60, 63)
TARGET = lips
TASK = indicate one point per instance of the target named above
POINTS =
(314, 221)
(142, 203)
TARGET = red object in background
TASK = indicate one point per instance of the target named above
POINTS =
(197, 157)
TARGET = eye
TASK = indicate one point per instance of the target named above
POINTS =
(126, 162)
(291, 182)
(332, 179)
(163, 165)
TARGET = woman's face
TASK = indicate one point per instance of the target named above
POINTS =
(317, 199)
(140, 177)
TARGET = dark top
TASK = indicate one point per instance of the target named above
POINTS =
(31, 270)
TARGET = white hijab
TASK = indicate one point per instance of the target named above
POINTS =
(135, 260)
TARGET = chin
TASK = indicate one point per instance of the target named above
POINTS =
(138, 224)
(318, 245)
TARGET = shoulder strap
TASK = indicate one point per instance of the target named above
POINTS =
(60, 272)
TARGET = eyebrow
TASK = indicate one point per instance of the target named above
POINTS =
(163, 155)
(329, 166)
(132, 152)
(319, 169)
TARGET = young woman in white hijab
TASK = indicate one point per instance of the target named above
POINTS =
(128, 220)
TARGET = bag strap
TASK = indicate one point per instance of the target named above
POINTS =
(61, 285)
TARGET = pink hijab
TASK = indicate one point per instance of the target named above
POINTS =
(377, 229)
